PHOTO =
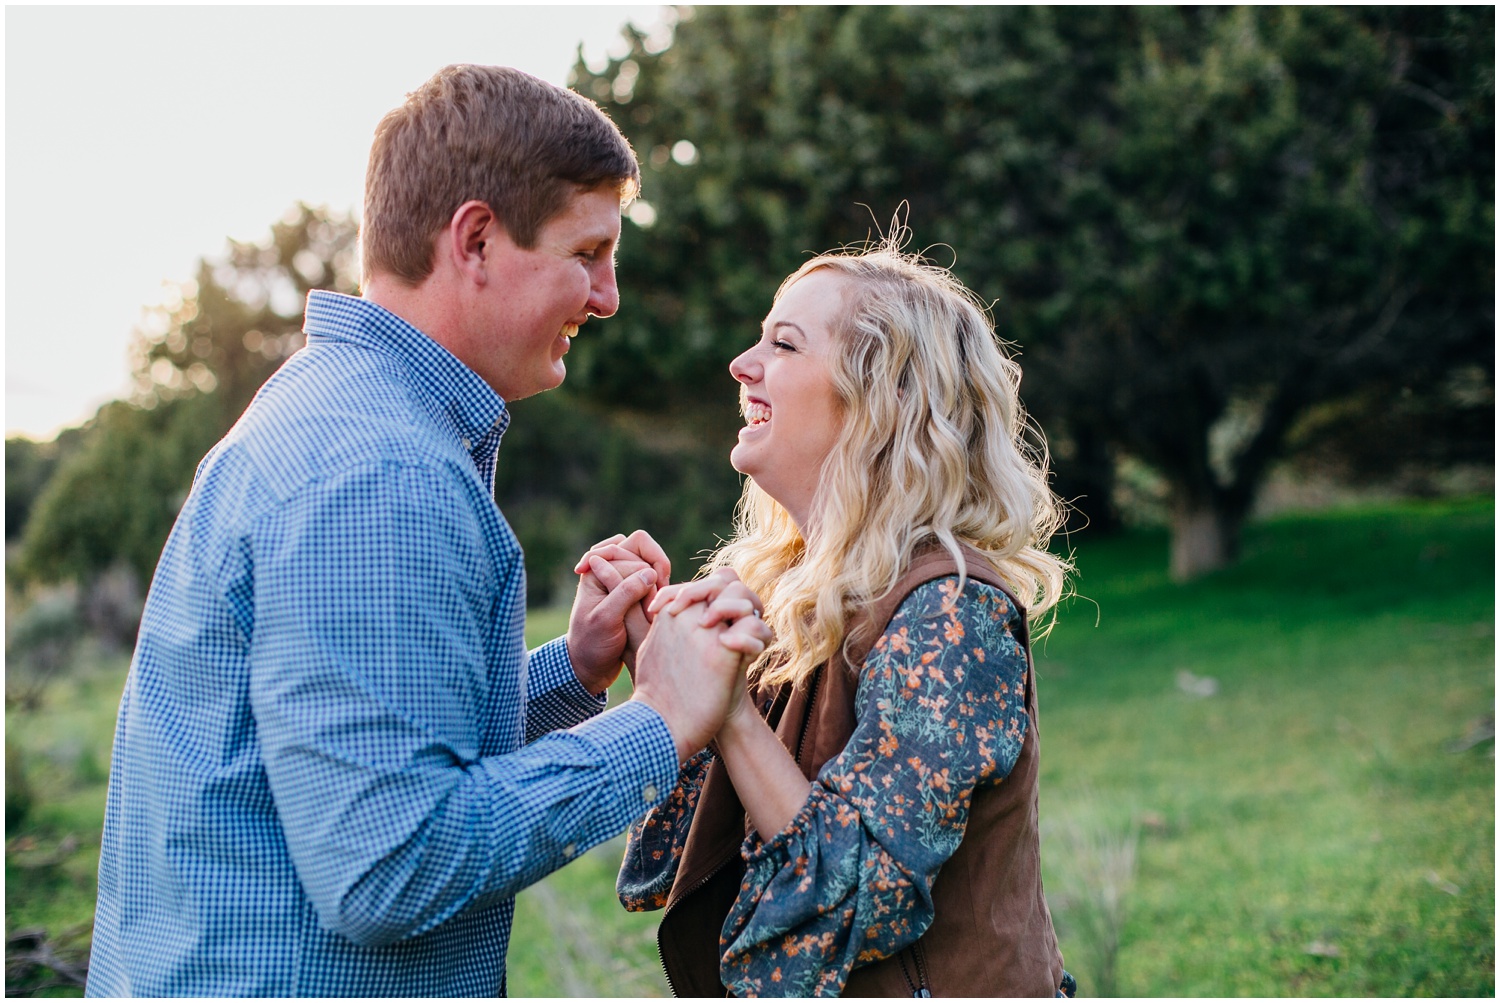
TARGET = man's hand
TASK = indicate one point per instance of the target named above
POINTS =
(598, 633)
(638, 546)
(609, 576)
(690, 669)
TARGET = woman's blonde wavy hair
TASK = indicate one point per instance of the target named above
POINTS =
(933, 450)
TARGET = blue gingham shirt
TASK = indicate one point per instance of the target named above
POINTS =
(335, 762)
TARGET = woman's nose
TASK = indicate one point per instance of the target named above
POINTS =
(743, 367)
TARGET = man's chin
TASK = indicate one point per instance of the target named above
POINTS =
(542, 386)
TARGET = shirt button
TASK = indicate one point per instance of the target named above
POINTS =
(570, 849)
(649, 792)
(467, 444)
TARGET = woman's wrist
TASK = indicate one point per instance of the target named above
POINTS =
(740, 726)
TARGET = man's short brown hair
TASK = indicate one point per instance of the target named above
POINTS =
(490, 133)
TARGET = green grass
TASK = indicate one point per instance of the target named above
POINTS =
(1312, 803)
(52, 854)
(1306, 830)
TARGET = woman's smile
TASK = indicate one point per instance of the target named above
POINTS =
(757, 412)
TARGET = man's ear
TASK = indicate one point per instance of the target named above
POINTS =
(468, 241)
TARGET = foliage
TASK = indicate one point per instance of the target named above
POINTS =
(29, 466)
(1199, 222)
(572, 472)
(231, 328)
(52, 851)
(1089, 905)
(1216, 234)
(19, 796)
(39, 641)
(118, 485)
(116, 498)
(1414, 439)
(1295, 203)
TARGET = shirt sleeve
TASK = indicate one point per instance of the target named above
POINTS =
(368, 675)
(654, 842)
(554, 696)
(940, 711)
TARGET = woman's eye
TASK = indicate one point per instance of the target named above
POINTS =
(784, 346)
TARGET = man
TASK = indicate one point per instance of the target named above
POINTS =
(322, 782)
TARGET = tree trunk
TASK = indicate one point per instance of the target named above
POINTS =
(1205, 537)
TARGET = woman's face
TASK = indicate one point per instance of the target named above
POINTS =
(792, 414)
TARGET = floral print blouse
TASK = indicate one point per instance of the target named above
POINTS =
(940, 711)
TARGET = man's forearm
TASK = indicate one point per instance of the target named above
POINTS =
(486, 829)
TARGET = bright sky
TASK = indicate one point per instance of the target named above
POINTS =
(139, 139)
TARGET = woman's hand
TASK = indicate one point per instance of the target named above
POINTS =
(765, 776)
(724, 599)
(724, 596)
(692, 677)
(629, 554)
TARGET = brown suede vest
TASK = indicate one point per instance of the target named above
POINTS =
(991, 933)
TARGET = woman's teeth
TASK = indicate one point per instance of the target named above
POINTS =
(757, 413)
(570, 331)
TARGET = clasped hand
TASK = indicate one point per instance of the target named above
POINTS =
(685, 645)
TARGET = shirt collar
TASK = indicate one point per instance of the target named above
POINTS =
(459, 395)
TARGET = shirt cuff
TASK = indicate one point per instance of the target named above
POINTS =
(637, 748)
(549, 671)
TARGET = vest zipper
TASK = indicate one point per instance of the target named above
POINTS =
(918, 988)
(663, 962)
(665, 973)
(812, 699)
(660, 957)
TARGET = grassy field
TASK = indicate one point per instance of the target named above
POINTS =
(1276, 781)
(1316, 826)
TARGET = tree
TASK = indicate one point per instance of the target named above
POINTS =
(114, 501)
(1199, 223)
(1293, 205)
(572, 471)
(29, 465)
(768, 134)
(229, 330)
(200, 358)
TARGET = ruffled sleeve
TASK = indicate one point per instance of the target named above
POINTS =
(654, 842)
(940, 712)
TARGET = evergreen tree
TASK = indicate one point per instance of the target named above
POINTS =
(1198, 224)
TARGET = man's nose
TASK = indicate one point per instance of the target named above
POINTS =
(604, 293)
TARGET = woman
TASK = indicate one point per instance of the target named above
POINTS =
(849, 831)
